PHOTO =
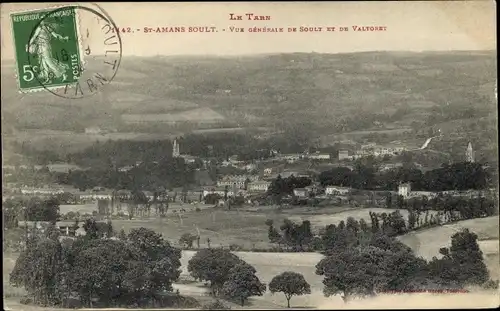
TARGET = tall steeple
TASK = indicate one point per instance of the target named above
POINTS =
(469, 153)
(176, 149)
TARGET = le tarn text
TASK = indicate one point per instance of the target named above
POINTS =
(249, 17)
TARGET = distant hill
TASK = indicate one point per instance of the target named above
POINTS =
(321, 93)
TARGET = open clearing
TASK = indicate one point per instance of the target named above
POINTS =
(243, 228)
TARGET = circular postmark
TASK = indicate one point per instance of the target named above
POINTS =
(75, 50)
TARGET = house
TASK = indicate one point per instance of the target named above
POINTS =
(286, 174)
(301, 192)
(291, 158)
(149, 195)
(404, 190)
(250, 167)
(319, 156)
(218, 190)
(234, 159)
(258, 186)
(188, 158)
(41, 191)
(313, 189)
(125, 168)
(419, 194)
(273, 170)
(337, 190)
(124, 194)
(238, 181)
(96, 195)
(344, 155)
(390, 166)
(380, 151)
(66, 228)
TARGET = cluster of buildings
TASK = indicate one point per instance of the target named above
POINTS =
(371, 150)
(252, 182)
(294, 157)
(404, 190)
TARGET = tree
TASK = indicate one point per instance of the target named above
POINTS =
(212, 198)
(212, 265)
(291, 284)
(11, 209)
(273, 234)
(52, 232)
(42, 210)
(109, 229)
(36, 270)
(161, 260)
(187, 240)
(276, 189)
(242, 283)
(100, 268)
(91, 229)
(462, 264)
(122, 235)
(352, 272)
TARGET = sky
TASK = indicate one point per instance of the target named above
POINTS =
(410, 26)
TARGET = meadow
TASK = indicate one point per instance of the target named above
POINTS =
(245, 228)
(248, 228)
(427, 242)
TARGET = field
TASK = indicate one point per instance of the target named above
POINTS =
(268, 265)
(257, 92)
(426, 243)
(248, 228)
(244, 228)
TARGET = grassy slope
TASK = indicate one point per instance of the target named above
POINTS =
(427, 243)
(263, 88)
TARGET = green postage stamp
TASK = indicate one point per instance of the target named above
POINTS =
(47, 49)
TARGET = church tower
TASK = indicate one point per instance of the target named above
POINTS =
(469, 153)
(176, 150)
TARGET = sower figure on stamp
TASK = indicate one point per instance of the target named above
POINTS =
(40, 44)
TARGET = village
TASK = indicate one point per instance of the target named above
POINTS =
(249, 188)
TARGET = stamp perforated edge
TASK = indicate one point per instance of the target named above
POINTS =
(79, 39)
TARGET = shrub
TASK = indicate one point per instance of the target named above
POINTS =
(26, 301)
(217, 305)
(235, 247)
(491, 284)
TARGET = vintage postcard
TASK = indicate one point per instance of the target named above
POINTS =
(241, 155)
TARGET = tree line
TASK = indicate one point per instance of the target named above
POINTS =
(383, 264)
(457, 176)
(32, 209)
(363, 260)
(135, 269)
(231, 277)
(448, 207)
(299, 237)
(114, 272)
(167, 173)
(281, 187)
(127, 152)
